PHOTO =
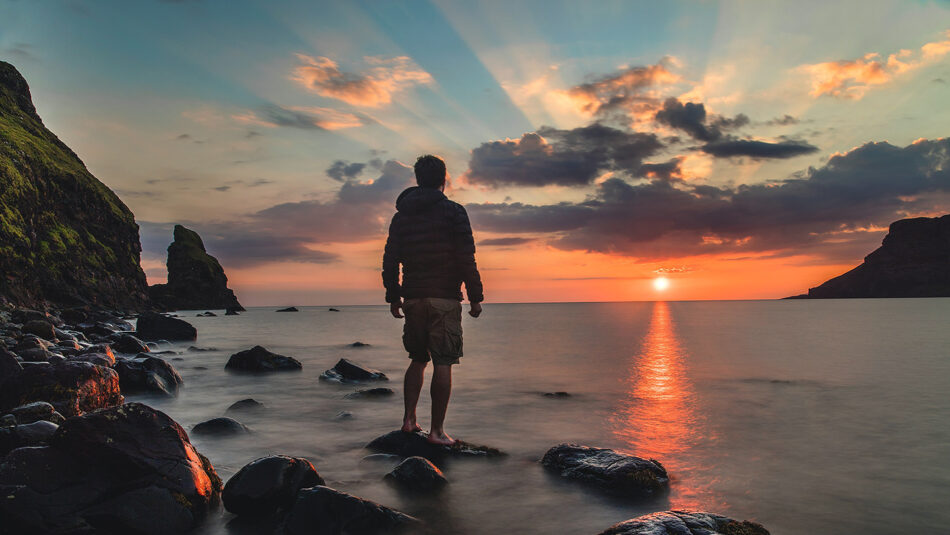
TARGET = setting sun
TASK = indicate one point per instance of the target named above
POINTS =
(661, 283)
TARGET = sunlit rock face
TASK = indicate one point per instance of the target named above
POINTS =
(72, 387)
(65, 237)
(684, 523)
(913, 261)
(127, 469)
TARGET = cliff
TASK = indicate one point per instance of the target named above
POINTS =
(913, 261)
(195, 278)
(65, 237)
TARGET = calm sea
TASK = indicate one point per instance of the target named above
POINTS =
(827, 416)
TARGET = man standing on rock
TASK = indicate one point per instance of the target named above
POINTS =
(432, 238)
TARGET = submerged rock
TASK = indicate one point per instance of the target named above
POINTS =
(207, 314)
(221, 426)
(232, 311)
(268, 484)
(608, 470)
(128, 469)
(417, 474)
(371, 393)
(258, 359)
(248, 404)
(684, 523)
(324, 511)
(152, 326)
(359, 344)
(559, 394)
(346, 371)
(145, 373)
(288, 309)
(399, 442)
(71, 387)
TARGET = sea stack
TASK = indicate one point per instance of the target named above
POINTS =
(195, 279)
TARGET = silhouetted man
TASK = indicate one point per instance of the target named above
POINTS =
(432, 239)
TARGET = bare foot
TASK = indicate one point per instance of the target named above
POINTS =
(442, 439)
(411, 427)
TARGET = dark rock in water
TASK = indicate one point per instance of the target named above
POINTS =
(324, 511)
(684, 523)
(32, 412)
(248, 404)
(208, 314)
(195, 278)
(127, 469)
(63, 336)
(288, 309)
(145, 373)
(194, 348)
(359, 344)
(68, 345)
(72, 387)
(231, 311)
(415, 445)
(343, 415)
(152, 326)
(9, 365)
(258, 359)
(41, 328)
(99, 348)
(126, 343)
(417, 474)
(268, 484)
(608, 470)
(913, 261)
(331, 309)
(99, 359)
(222, 426)
(556, 395)
(200, 368)
(96, 329)
(347, 371)
(371, 393)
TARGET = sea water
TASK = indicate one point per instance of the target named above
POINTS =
(828, 416)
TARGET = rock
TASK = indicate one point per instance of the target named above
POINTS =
(38, 432)
(608, 470)
(556, 395)
(199, 367)
(153, 326)
(67, 345)
(100, 359)
(97, 329)
(268, 484)
(371, 393)
(331, 309)
(417, 474)
(146, 373)
(71, 387)
(7, 420)
(324, 511)
(32, 412)
(245, 405)
(231, 311)
(32, 341)
(63, 335)
(128, 469)
(347, 371)
(359, 344)
(343, 415)
(258, 359)
(9, 365)
(25, 315)
(222, 426)
(684, 523)
(415, 445)
(36, 354)
(105, 349)
(126, 343)
(194, 348)
(73, 315)
(41, 328)
(288, 309)
(208, 314)
(56, 358)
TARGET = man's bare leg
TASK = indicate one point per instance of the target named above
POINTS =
(441, 390)
(412, 387)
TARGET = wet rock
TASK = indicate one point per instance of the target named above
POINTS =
(41, 328)
(343, 415)
(69, 345)
(556, 395)
(99, 348)
(684, 523)
(268, 484)
(100, 359)
(258, 359)
(199, 367)
(100, 330)
(417, 474)
(73, 315)
(231, 312)
(248, 404)
(371, 393)
(9, 365)
(31, 341)
(152, 326)
(32, 412)
(324, 511)
(7, 420)
(71, 387)
(346, 371)
(56, 358)
(128, 469)
(63, 335)
(359, 344)
(36, 354)
(38, 432)
(195, 348)
(608, 470)
(126, 343)
(288, 309)
(24, 315)
(222, 426)
(207, 314)
(145, 373)
(415, 445)
(331, 309)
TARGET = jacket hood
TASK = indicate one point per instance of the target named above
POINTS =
(418, 199)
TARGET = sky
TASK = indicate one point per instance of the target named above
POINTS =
(740, 150)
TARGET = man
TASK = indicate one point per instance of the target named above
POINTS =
(432, 238)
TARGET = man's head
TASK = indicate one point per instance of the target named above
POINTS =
(430, 171)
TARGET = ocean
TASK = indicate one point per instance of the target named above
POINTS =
(825, 416)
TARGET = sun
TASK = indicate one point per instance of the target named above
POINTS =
(661, 283)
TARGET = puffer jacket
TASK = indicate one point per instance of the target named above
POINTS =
(432, 238)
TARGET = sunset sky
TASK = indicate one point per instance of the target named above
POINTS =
(740, 150)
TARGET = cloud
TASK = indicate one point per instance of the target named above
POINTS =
(22, 52)
(785, 120)
(563, 157)
(631, 90)
(373, 88)
(730, 147)
(865, 188)
(341, 170)
(853, 78)
(505, 242)
(306, 118)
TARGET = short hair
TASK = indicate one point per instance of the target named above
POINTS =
(430, 171)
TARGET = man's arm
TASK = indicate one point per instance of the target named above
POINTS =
(465, 258)
(391, 259)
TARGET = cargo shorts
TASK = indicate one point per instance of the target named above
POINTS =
(433, 329)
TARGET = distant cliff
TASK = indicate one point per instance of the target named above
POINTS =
(195, 278)
(913, 261)
(65, 237)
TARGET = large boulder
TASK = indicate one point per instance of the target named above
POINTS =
(41, 328)
(405, 444)
(608, 470)
(258, 359)
(268, 484)
(9, 365)
(71, 387)
(346, 371)
(127, 469)
(32, 412)
(417, 474)
(32, 434)
(684, 523)
(221, 426)
(152, 326)
(145, 373)
(324, 511)
(126, 343)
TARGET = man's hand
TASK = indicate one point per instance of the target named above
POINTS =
(476, 310)
(394, 309)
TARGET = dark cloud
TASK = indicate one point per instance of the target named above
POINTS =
(341, 170)
(785, 120)
(563, 157)
(505, 242)
(628, 91)
(183, 137)
(22, 52)
(668, 170)
(729, 147)
(222, 188)
(689, 117)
